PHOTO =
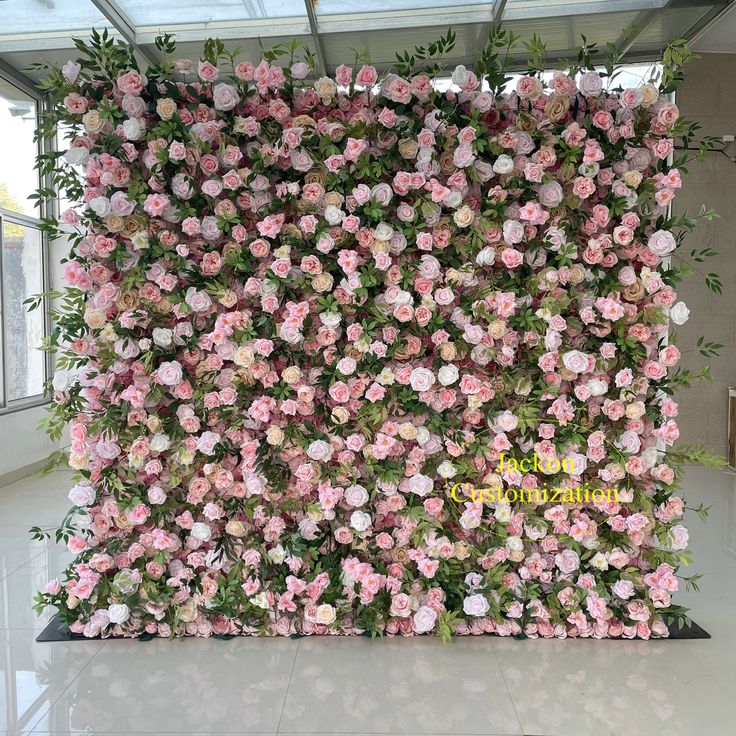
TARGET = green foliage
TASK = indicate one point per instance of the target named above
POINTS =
(433, 52)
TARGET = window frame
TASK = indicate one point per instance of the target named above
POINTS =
(16, 218)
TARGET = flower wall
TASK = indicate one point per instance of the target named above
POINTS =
(300, 312)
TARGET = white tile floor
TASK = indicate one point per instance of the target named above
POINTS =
(357, 686)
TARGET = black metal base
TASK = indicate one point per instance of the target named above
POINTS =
(59, 631)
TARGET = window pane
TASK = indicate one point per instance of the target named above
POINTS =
(63, 143)
(18, 178)
(144, 12)
(338, 7)
(44, 16)
(23, 330)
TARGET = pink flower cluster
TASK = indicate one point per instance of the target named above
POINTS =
(309, 309)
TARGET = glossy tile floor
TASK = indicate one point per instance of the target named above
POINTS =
(357, 686)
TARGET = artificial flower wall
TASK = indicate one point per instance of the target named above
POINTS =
(300, 313)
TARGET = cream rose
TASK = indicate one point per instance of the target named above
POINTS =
(274, 435)
(291, 375)
(464, 216)
(325, 614)
(165, 108)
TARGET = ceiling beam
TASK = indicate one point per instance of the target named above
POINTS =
(484, 27)
(314, 30)
(643, 22)
(19, 79)
(702, 26)
(125, 28)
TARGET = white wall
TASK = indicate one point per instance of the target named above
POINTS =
(21, 442)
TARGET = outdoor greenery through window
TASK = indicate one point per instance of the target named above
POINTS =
(23, 263)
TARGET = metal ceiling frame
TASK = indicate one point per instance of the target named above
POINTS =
(314, 29)
(316, 26)
(124, 27)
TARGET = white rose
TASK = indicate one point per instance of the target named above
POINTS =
(454, 200)
(360, 521)
(64, 380)
(650, 457)
(100, 206)
(514, 544)
(225, 96)
(160, 442)
(118, 613)
(503, 513)
(507, 421)
(423, 435)
(447, 470)
(162, 336)
(201, 531)
(330, 319)
(140, 240)
(277, 554)
(347, 366)
(486, 257)
(333, 215)
(77, 155)
(132, 129)
(421, 379)
(82, 495)
(254, 484)
(575, 463)
(661, 243)
(424, 619)
(680, 314)
(575, 361)
(356, 496)
(319, 450)
(308, 529)
(589, 171)
(260, 600)
(599, 561)
(623, 588)
(70, 71)
(476, 605)
(448, 374)
(460, 76)
(156, 495)
(590, 84)
(503, 164)
(596, 387)
(420, 484)
(199, 301)
(383, 231)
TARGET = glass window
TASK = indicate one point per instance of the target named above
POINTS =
(23, 368)
(49, 16)
(23, 331)
(145, 13)
(18, 178)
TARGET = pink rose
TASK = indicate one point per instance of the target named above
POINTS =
(170, 373)
(661, 243)
(207, 72)
(367, 76)
(344, 75)
(512, 258)
(424, 620)
(225, 96)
